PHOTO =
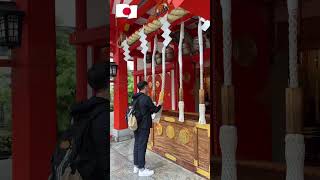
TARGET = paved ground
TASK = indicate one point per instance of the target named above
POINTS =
(5, 169)
(121, 165)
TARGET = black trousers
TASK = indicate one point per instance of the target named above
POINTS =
(141, 137)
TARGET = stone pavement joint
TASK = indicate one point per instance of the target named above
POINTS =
(121, 165)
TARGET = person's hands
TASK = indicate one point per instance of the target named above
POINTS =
(160, 103)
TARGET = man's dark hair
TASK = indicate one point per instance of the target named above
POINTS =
(97, 76)
(142, 84)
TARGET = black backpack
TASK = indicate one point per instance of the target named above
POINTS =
(72, 143)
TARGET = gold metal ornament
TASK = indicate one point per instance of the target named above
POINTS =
(170, 132)
(184, 136)
(157, 84)
(159, 129)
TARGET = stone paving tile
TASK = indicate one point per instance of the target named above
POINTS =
(124, 148)
(164, 169)
(117, 161)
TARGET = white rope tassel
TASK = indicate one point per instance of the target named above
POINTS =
(293, 28)
(126, 50)
(202, 114)
(202, 107)
(227, 41)
(144, 49)
(181, 103)
(144, 67)
(295, 150)
(228, 143)
(181, 111)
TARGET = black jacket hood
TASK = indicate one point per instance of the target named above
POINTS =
(135, 96)
(88, 105)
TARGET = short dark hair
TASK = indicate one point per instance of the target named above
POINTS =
(142, 84)
(97, 76)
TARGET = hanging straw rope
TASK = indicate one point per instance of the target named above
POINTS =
(155, 42)
(202, 106)
(154, 74)
(181, 102)
(167, 39)
(295, 147)
(228, 133)
(227, 41)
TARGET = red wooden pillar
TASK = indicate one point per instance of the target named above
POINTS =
(34, 92)
(81, 52)
(120, 91)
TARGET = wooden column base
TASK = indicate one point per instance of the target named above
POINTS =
(294, 110)
(227, 100)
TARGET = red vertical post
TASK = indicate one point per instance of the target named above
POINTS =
(81, 52)
(120, 91)
(34, 92)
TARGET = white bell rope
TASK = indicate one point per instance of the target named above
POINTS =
(202, 107)
(155, 42)
(153, 64)
(295, 147)
(126, 50)
(181, 103)
(167, 39)
(144, 49)
(228, 134)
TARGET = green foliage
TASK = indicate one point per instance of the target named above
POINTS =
(130, 90)
(130, 86)
(5, 95)
(66, 78)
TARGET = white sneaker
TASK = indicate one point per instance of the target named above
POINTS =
(135, 169)
(146, 172)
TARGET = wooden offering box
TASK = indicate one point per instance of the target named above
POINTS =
(185, 143)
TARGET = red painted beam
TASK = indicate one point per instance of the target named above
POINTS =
(198, 9)
(151, 35)
(89, 36)
(141, 11)
(158, 69)
(5, 63)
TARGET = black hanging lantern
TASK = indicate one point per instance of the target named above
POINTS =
(10, 25)
(113, 69)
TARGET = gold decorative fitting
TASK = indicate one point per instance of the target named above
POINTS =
(169, 119)
(195, 129)
(126, 27)
(203, 173)
(159, 129)
(170, 132)
(169, 156)
(205, 127)
(195, 163)
(184, 137)
(149, 146)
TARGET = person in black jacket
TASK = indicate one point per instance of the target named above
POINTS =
(96, 167)
(145, 108)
